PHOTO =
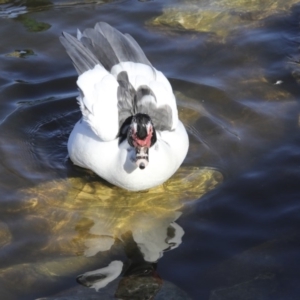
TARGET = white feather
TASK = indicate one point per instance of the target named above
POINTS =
(99, 104)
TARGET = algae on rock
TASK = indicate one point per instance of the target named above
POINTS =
(220, 17)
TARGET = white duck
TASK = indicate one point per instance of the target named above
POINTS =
(130, 133)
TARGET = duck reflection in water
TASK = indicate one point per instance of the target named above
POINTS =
(137, 275)
(141, 225)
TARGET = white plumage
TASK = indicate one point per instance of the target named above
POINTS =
(117, 82)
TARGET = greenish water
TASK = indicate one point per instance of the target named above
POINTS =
(228, 232)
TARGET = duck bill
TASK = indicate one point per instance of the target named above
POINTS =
(142, 157)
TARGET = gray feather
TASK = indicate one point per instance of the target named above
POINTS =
(142, 91)
(100, 47)
(130, 102)
(126, 97)
(82, 57)
(160, 116)
(140, 55)
(125, 47)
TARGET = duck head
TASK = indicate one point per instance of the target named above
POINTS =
(141, 135)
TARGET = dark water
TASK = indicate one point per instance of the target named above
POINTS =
(237, 85)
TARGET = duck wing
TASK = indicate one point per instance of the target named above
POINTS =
(116, 81)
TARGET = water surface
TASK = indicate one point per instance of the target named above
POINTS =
(234, 70)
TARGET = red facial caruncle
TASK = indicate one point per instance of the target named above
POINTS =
(146, 142)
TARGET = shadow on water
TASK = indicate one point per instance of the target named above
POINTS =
(238, 97)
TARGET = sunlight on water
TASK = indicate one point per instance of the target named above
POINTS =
(115, 211)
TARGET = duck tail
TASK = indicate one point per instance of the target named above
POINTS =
(102, 45)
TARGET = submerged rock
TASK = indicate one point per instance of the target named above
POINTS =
(193, 18)
(258, 273)
(85, 215)
(21, 53)
(260, 288)
(5, 235)
(167, 292)
(218, 17)
(79, 210)
(33, 25)
(41, 277)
